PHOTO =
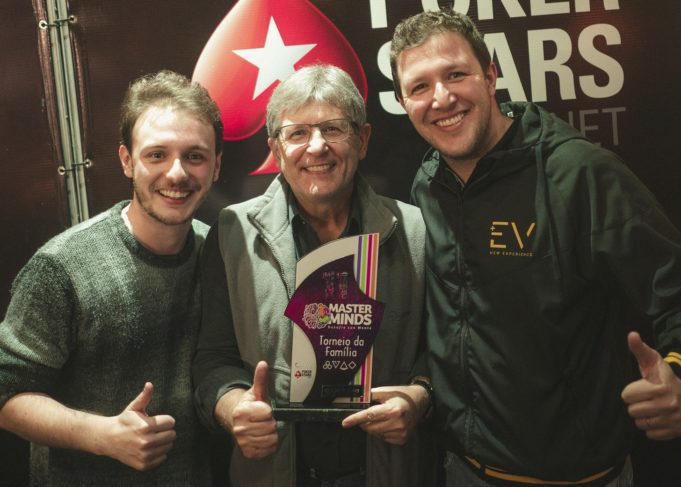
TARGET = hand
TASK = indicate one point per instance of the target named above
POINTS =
(399, 410)
(252, 423)
(136, 439)
(654, 401)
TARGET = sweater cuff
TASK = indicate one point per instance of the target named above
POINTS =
(212, 387)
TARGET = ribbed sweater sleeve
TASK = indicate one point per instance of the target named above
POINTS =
(36, 335)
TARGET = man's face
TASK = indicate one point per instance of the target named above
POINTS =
(320, 172)
(172, 165)
(448, 97)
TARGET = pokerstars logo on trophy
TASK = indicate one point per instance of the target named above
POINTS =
(260, 43)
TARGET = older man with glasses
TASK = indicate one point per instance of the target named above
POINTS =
(317, 128)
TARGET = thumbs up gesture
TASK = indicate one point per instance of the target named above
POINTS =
(247, 414)
(135, 438)
(654, 401)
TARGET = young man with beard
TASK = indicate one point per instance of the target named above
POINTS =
(541, 247)
(96, 345)
(316, 121)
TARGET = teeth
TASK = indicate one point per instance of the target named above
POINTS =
(173, 194)
(323, 167)
(450, 121)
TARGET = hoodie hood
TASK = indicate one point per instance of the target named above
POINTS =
(537, 128)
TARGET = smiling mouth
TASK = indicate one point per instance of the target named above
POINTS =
(174, 193)
(319, 168)
(447, 122)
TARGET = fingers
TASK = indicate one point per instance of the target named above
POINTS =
(647, 357)
(252, 412)
(638, 391)
(356, 419)
(153, 453)
(256, 439)
(260, 382)
(140, 441)
(653, 401)
(382, 394)
(141, 402)
(159, 423)
(256, 448)
(383, 421)
(253, 425)
(658, 428)
(374, 414)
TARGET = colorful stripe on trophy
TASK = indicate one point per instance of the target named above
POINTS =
(366, 272)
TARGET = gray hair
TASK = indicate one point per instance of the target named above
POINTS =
(417, 29)
(322, 83)
(168, 89)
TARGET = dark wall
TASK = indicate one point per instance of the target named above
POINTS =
(32, 192)
(121, 40)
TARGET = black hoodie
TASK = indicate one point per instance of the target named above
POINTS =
(537, 268)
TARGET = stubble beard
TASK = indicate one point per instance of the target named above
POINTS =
(146, 206)
(478, 146)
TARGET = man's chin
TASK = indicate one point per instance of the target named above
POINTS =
(171, 219)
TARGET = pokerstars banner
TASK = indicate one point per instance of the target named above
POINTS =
(588, 61)
(606, 66)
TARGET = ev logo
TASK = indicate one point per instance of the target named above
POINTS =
(509, 239)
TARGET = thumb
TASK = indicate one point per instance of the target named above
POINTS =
(381, 394)
(647, 358)
(260, 382)
(141, 402)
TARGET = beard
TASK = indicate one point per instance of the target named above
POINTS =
(145, 204)
(476, 148)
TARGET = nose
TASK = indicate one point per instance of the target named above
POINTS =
(317, 143)
(176, 172)
(442, 96)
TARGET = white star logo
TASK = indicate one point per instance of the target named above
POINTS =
(275, 60)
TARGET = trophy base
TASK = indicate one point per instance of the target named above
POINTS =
(299, 411)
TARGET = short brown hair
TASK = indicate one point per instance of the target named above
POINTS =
(417, 29)
(168, 89)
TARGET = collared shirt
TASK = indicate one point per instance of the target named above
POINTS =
(306, 238)
(328, 448)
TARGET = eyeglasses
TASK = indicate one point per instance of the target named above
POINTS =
(336, 130)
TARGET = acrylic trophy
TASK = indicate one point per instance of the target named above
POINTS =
(335, 320)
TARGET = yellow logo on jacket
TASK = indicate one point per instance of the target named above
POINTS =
(509, 239)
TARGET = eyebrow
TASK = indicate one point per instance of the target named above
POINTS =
(165, 146)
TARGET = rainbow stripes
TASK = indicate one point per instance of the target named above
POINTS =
(367, 273)
(367, 263)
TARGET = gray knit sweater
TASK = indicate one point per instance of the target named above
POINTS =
(93, 316)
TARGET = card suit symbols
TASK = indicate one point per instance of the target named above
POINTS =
(258, 44)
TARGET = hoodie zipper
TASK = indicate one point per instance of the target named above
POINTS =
(464, 335)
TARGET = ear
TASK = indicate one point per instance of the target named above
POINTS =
(275, 149)
(364, 135)
(218, 165)
(491, 78)
(126, 160)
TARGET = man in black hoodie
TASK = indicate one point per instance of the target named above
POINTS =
(540, 246)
